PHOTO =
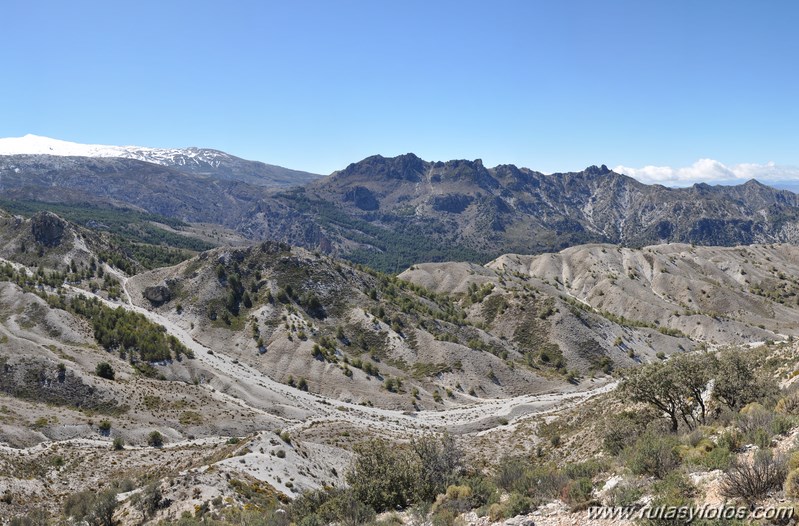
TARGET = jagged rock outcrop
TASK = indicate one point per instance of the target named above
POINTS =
(48, 229)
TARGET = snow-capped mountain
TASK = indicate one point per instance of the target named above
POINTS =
(38, 145)
(194, 160)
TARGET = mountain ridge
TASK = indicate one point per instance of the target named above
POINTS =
(366, 209)
(191, 159)
(392, 212)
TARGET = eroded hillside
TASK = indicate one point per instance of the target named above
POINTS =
(252, 373)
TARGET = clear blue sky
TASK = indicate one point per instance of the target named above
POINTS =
(555, 85)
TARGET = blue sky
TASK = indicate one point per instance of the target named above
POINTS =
(554, 86)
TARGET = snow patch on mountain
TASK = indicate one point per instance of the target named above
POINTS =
(38, 145)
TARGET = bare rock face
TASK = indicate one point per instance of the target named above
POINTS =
(363, 198)
(48, 229)
(157, 294)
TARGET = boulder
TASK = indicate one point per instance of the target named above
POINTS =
(157, 294)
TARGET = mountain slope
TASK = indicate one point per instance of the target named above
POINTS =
(715, 295)
(392, 212)
(279, 361)
(203, 161)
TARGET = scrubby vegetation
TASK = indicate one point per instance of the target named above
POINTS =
(394, 250)
(131, 334)
(133, 236)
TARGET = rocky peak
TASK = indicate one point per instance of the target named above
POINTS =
(597, 170)
(48, 229)
(407, 167)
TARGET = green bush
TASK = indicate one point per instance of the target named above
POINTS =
(33, 518)
(104, 427)
(731, 440)
(653, 454)
(622, 430)
(791, 485)
(150, 499)
(104, 370)
(673, 490)
(625, 493)
(346, 509)
(587, 469)
(484, 491)
(155, 439)
(717, 458)
(736, 380)
(96, 509)
(517, 504)
(782, 424)
(385, 476)
(578, 492)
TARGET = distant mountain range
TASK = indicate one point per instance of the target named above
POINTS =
(393, 212)
(200, 161)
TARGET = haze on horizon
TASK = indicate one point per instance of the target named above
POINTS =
(671, 93)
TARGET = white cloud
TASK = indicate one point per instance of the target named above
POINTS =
(712, 171)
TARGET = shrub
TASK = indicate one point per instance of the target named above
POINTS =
(789, 405)
(33, 518)
(104, 370)
(737, 384)
(578, 493)
(346, 509)
(625, 493)
(675, 490)
(622, 431)
(155, 439)
(588, 469)
(517, 504)
(383, 476)
(782, 424)
(791, 486)
(437, 464)
(443, 517)
(510, 471)
(541, 483)
(456, 500)
(119, 444)
(484, 491)
(653, 455)
(717, 458)
(752, 481)
(730, 440)
(96, 509)
(150, 499)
